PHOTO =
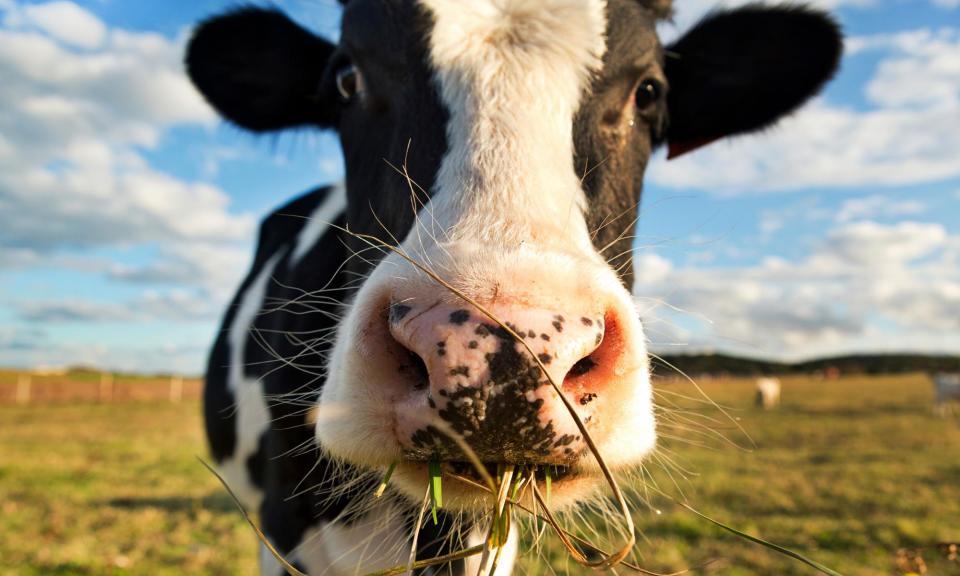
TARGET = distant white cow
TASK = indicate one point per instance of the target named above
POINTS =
(768, 393)
(946, 391)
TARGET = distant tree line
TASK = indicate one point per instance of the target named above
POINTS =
(667, 364)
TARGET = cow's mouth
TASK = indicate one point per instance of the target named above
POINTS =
(465, 487)
(495, 470)
(561, 487)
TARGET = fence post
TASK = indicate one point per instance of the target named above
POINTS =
(24, 382)
(106, 387)
(176, 388)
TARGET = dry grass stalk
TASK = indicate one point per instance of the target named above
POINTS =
(290, 569)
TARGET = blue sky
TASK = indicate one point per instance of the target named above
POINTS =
(127, 210)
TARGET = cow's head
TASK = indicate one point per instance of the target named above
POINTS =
(524, 128)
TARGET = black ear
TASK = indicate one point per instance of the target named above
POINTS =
(740, 70)
(260, 70)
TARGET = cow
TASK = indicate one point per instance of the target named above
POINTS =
(946, 391)
(498, 146)
(768, 393)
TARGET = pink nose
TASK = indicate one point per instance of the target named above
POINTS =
(485, 385)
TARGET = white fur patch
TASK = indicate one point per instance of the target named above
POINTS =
(252, 416)
(511, 73)
(319, 221)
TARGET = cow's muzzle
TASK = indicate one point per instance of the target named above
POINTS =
(486, 378)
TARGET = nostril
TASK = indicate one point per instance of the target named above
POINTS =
(398, 312)
(409, 363)
(417, 370)
(582, 366)
(604, 360)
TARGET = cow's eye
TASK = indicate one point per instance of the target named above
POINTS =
(648, 93)
(349, 82)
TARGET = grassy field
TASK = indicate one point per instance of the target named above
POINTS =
(113, 489)
(847, 472)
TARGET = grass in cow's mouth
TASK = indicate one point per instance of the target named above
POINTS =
(382, 487)
(436, 489)
(543, 472)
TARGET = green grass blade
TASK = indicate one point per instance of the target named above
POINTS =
(762, 542)
(436, 490)
(517, 480)
(386, 479)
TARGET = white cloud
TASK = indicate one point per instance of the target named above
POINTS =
(66, 22)
(650, 268)
(127, 92)
(806, 209)
(151, 305)
(101, 196)
(866, 286)
(78, 103)
(18, 258)
(877, 247)
(36, 348)
(213, 266)
(909, 137)
(923, 72)
(826, 146)
(111, 326)
(17, 340)
(877, 205)
(946, 3)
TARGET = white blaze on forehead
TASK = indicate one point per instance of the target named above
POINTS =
(511, 73)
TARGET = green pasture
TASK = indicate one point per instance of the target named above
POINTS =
(856, 473)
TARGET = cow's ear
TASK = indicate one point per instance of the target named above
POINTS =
(740, 70)
(260, 70)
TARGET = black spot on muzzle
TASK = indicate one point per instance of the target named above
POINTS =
(497, 418)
